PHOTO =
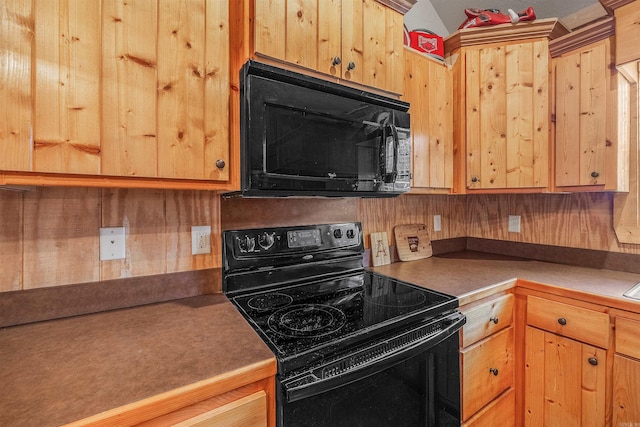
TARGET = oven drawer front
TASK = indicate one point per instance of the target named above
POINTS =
(581, 324)
(486, 319)
(487, 371)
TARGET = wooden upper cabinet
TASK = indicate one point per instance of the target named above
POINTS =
(502, 122)
(120, 90)
(627, 16)
(359, 41)
(428, 88)
(589, 153)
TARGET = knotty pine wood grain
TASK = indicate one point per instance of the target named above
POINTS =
(15, 79)
(129, 99)
(181, 83)
(67, 87)
(353, 42)
(11, 241)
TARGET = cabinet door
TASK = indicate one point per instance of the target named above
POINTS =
(428, 86)
(564, 381)
(507, 116)
(15, 81)
(192, 88)
(581, 115)
(626, 389)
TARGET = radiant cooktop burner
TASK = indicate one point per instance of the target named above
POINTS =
(307, 320)
(269, 301)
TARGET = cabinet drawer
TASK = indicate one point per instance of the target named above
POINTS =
(579, 323)
(628, 337)
(249, 411)
(486, 319)
(487, 371)
(500, 412)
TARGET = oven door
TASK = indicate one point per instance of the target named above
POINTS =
(416, 386)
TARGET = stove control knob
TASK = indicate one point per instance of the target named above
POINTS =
(351, 234)
(337, 233)
(266, 240)
(246, 244)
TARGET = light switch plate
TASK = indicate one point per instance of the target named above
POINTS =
(514, 223)
(200, 239)
(112, 243)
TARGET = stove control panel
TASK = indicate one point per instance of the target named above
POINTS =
(283, 240)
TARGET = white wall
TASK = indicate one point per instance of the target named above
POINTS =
(423, 16)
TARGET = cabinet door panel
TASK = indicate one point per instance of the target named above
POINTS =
(373, 60)
(564, 381)
(16, 33)
(581, 113)
(67, 86)
(129, 99)
(506, 116)
(626, 389)
(353, 40)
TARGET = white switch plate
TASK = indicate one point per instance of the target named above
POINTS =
(514, 223)
(112, 243)
(437, 223)
(200, 239)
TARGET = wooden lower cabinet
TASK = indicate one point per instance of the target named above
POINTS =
(626, 373)
(246, 407)
(498, 413)
(487, 361)
(250, 411)
(564, 381)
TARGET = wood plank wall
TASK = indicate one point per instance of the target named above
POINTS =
(49, 236)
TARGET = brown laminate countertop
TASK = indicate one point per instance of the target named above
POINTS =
(472, 275)
(60, 371)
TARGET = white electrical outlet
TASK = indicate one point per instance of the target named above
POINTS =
(112, 243)
(514, 223)
(200, 239)
(437, 223)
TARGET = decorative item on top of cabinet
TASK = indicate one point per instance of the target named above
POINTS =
(501, 74)
(108, 110)
(428, 88)
(358, 41)
(589, 109)
(487, 362)
(565, 364)
(626, 371)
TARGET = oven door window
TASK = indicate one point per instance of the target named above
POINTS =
(422, 391)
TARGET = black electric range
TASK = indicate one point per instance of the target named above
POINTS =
(328, 320)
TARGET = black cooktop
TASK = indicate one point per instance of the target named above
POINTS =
(316, 317)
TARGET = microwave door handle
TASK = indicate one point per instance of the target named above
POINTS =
(390, 135)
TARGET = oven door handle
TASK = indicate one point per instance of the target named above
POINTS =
(312, 383)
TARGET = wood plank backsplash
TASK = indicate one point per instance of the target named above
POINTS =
(49, 236)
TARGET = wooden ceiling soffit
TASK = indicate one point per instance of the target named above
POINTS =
(597, 31)
(401, 6)
(611, 5)
(550, 28)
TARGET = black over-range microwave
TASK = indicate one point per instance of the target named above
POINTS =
(303, 136)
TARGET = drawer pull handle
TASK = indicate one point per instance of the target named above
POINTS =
(593, 361)
(494, 371)
(562, 321)
(494, 320)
